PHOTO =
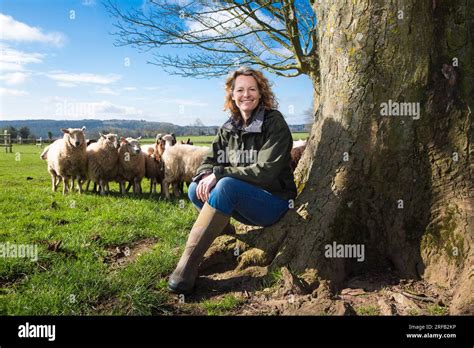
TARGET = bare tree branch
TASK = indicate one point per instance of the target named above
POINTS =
(278, 36)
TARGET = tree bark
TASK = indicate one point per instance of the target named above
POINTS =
(400, 186)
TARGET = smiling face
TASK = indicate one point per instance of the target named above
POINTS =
(246, 94)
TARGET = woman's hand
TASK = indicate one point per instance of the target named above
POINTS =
(204, 187)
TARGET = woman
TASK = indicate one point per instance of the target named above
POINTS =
(247, 176)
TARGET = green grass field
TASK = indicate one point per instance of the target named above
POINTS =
(205, 140)
(79, 277)
(96, 255)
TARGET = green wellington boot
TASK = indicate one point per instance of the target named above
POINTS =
(209, 224)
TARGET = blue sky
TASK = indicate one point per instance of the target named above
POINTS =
(57, 67)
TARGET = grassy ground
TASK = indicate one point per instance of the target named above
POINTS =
(77, 237)
(206, 140)
(112, 255)
(96, 255)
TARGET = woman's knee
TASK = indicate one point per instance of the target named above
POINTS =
(192, 192)
(226, 184)
(224, 195)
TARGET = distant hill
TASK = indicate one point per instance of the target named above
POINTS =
(133, 128)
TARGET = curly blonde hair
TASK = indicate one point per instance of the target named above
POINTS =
(267, 97)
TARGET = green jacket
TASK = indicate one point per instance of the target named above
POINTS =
(258, 154)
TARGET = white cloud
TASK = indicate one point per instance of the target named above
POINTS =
(106, 90)
(84, 78)
(186, 102)
(106, 107)
(15, 78)
(14, 60)
(129, 88)
(71, 108)
(4, 92)
(13, 30)
(53, 99)
(66, 84)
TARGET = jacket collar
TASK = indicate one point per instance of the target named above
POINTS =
(255, 126)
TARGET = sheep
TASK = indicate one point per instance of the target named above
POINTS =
(167, 140)
(154, 164)
(91, 141)
(67, 158)
(181, 184)
(44, 154)
(295, 155)
(181, 163)
(189, 142)
(149, 149)
(299, 143)
(131, 164)
(174, 141)
(102, 159)
(154, 170)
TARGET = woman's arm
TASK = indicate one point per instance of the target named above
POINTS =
(210, 161)
(271, 159)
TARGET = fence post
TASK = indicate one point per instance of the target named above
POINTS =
(7, 141)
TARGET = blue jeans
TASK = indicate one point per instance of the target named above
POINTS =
(246, 203)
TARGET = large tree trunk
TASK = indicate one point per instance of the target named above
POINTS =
(400, 186)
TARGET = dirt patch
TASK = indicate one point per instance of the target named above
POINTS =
(119, 256)
(285, 293)
(181, 305)
(56, 246)
(107, 306)
(370, 294)
(377, 294)
(6, 284)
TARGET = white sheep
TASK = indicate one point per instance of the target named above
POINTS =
(154, 168)
(131, 167)
(181, 163)
(166, 141)
(160, 144)
(102, 159)
(44, 154)
(149, 149)
(67, 158)
(299, 143)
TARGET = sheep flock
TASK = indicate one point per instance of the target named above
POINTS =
(123, 160)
